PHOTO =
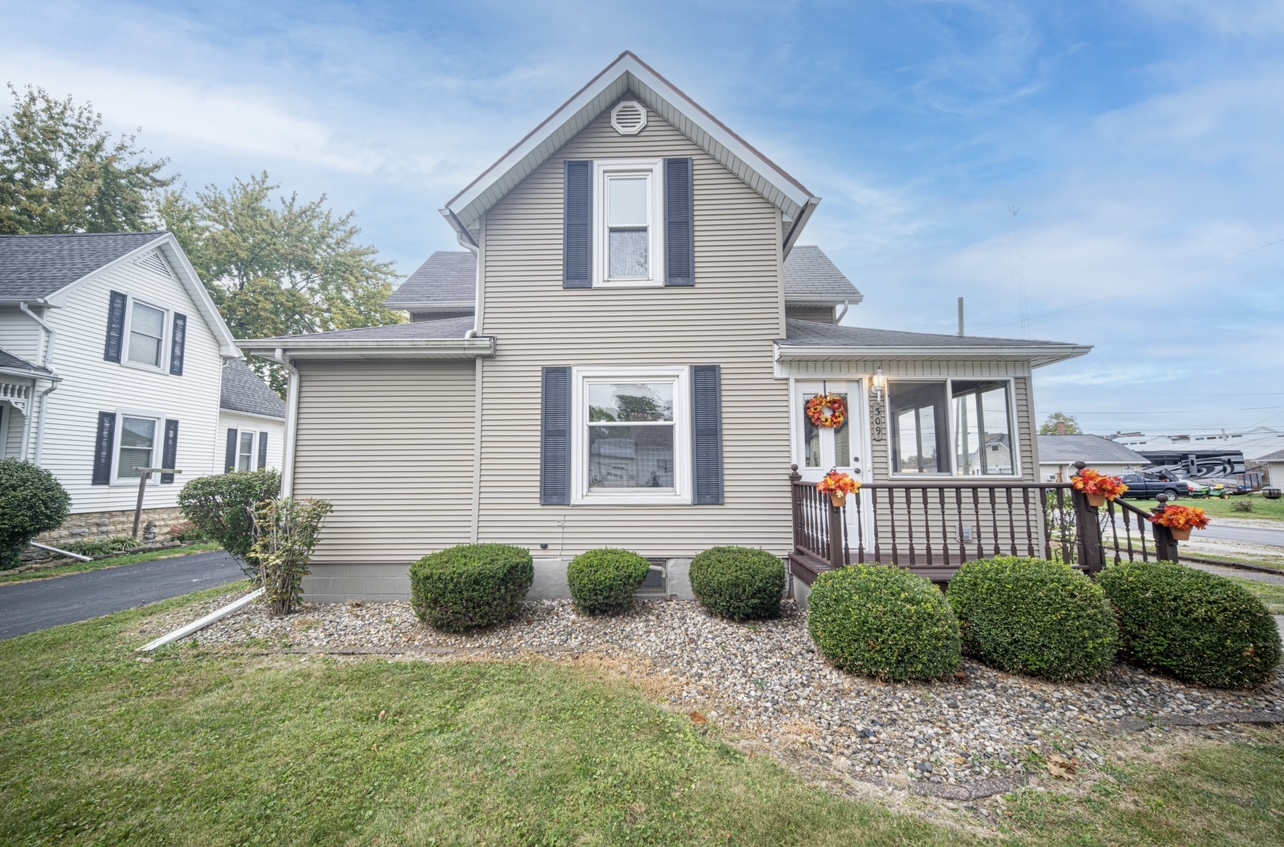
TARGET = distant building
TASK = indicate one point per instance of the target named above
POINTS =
(1058, 453)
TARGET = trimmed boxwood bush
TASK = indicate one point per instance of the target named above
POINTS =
(603, 581)
(470, 586)
(738, 583)
(1034, 617)
(1192, 625)
(32, 501)
(883, 622)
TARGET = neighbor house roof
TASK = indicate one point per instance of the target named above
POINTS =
(811, 341)
(36, 266)
(1277, 456)
(442, 339)
(448, 279)
(243, 391)
(11, 364)
(626, 74)
(1067, 449)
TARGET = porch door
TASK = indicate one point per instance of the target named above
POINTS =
(817, 450)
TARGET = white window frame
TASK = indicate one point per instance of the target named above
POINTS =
(604, 170)
(166, 323)
(254, 448)
(579, 440)
(157, 438)
(953, 472)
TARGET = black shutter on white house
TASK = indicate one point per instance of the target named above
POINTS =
(178, 342)
(555, 441)
(103, 444)
(115, 327)
(169, 451)
(679, 211)
(577, 225)
(229, 456)
(706, 415)
(262, 450)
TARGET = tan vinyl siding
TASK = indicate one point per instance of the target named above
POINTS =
(818, 314)
(390, 444)
(730, 318)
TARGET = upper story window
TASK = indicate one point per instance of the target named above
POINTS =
(146, 335)
(952, 427)
(628, 199)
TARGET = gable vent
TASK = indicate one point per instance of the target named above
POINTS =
(154, 262)
(628, 117)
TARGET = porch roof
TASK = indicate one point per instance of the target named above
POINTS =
(13, 366)
(811, 341)
(243, 391)
(444, 339)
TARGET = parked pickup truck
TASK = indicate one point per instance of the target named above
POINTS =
(1145, 488)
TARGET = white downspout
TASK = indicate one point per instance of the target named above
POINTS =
(291, 423)
(47, 362)
(846, 305)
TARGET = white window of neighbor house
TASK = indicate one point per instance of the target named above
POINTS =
(627, 207)
(136, 446)
(245, 450)
(146, 335)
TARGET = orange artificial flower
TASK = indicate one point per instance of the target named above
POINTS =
(1181, 517)
(837, 482)
(1090, 482)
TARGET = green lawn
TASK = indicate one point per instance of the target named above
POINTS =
(113, 562)
(1263, 509)
(100, 746)
(1271, 595)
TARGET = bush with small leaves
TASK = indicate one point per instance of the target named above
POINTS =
(603, 581)
(470, 586)
(1192, 625)
(286, 532)
(1034, 617)
(221, 508)
(738, 583)
(101, 547)
(32, 501)
(883, 622)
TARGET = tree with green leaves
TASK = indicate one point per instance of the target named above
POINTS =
(279, 268)
(1059, 423)
(61, 173)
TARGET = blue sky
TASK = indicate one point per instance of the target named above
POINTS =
(1106, 173)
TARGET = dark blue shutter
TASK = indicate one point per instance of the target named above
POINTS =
(103, 445)
(577, 226)
(706, 406)
(177, 343)
(115, 326)
(229, 457)
(262, 450)
(679, 211)
(169, 453)
(555, 441)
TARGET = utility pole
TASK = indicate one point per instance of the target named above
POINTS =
(960, 316)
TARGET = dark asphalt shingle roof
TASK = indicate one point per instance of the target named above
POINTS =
(1277, 456)
(1089, 448)
(38, 265)
(810, 277)
(13, 363)
(799, 333)
(447, 328)
(243, 391)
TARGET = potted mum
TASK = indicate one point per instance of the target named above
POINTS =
(1099, 487)
(1180, 520)
(837, 485)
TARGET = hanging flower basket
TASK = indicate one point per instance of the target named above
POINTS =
(827, 411)
(1180, 520)
(1099, 488)
(837, 485)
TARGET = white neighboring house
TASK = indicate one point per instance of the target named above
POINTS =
(112, 356)
(251, 420)
(1058, 453)
(1274, 463)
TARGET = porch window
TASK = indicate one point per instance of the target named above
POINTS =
(952, 427)
(137, 441)
(982, 428)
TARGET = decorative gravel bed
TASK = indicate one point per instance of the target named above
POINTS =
(765, 682)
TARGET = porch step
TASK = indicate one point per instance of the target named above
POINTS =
(807, 568)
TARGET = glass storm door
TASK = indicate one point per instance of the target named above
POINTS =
(817, 450)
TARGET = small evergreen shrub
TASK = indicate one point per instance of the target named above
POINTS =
(222, 509)
(470, 586)
(1242, 506)
(1192, 625)
(286, 533)
(738, 583)
(603, 581)
(32, 501)
(1034, 617)
(100, 547)
(883, 622)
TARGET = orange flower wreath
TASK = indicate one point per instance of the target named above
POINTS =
(827, 411)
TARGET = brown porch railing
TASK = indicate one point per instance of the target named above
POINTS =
(932, 528)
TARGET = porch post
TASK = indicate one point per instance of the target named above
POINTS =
(794, 479)
(836, 558)
(1092, 556)
(1165, 544)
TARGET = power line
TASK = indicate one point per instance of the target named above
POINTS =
(1026, 318)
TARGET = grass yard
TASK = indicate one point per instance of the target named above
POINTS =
(1263, 509)
(1271, 595)
(112, 562)
(191, 748)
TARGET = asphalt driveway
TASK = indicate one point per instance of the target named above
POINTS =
(32, 606)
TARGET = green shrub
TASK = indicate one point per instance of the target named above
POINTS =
(32, 501)
(184, 532)
(1242, 506)
(1034, 617)
(1192, 625)
(883, 622)
(470, 586)
(738, 583)
(286, 533)
(100, 547)
(222, 509)
(603, 581)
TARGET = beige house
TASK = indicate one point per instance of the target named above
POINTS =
(622, 356)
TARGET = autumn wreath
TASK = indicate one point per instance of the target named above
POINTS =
(827, 411)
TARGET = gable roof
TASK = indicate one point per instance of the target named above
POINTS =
(243, 391)
(1066, 449)
(628, 73)
(448, 279)
(37, 266)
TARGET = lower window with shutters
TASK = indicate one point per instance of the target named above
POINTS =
(246, 450)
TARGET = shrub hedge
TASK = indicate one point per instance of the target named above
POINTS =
(883, 622)
(221, 507)
(1034, 617)
(32, 501)
(1192, 625)
(738, 583)
(603, 581)
(470, 586)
